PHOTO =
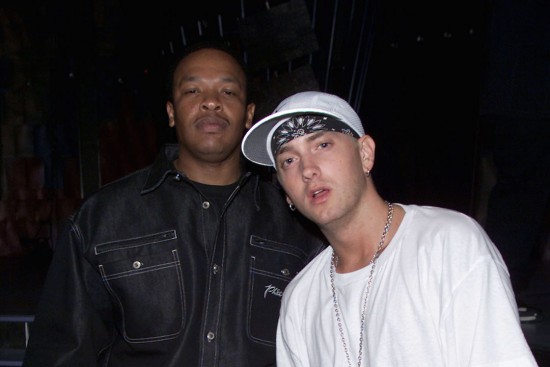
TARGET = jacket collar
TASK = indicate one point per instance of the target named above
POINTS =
(164, 167)
(161, 168)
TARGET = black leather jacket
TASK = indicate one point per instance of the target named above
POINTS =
(147, 273)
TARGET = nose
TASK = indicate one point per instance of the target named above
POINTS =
(211, 102)
(310, 168)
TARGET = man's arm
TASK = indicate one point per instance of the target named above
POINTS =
(68, 329)
(480, 323)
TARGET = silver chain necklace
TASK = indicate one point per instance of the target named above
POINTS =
(334, 264)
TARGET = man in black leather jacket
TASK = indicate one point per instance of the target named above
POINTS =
(182, 263)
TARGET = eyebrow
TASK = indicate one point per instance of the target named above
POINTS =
(194, 78)
(225, 78)
(308, 138)
(316, 135)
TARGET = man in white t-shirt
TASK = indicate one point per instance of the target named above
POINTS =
(400, 285)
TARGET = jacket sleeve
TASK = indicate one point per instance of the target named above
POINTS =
(70, 326)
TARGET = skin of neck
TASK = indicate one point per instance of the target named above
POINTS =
(356, 242)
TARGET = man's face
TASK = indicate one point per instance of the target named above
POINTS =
(209, 109)
(322, 174)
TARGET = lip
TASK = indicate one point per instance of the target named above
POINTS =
(211, 124)
(319, 194)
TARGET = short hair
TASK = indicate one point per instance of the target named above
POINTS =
(216, 44)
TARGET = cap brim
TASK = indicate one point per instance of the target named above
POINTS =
(255, 146)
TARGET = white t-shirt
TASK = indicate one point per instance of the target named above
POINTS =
(441, 296)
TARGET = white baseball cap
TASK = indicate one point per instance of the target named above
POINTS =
(257, 145)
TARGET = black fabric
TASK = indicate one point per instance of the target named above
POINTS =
(216, 194)
(144, 273)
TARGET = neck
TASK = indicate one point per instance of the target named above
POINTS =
(225, 172)
(355, 246)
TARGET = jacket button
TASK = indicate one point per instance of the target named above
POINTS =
(137, 264)
(210, 336)
(205, 205)
(215, 268)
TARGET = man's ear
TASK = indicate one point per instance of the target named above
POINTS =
(250, 109)
(367, 149)
(170, 112)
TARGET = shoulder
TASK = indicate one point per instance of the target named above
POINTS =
(441, 220)
(135, 180)
(439, 233)
(120, 190)
(268, 186)
(432, 213)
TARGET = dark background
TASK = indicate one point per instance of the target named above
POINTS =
(82, 99)
(82, 102)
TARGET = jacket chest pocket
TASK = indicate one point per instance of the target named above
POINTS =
(143, 276)
(272, 266)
